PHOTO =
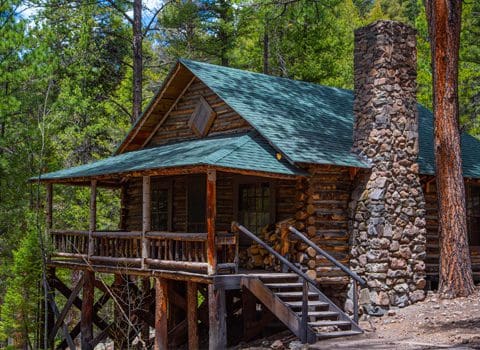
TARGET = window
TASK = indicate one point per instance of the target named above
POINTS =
(161, 207)
(473, 214)
(255, 206)
(202, 118)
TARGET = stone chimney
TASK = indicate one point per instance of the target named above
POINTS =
(388, 206)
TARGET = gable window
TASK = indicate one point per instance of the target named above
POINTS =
(161, 206)
(202, 118)
(473, 214)
(255, 208)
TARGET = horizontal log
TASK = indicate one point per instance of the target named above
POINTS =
(70, 255)
(171, 264)
(115, 260)
(177, 236)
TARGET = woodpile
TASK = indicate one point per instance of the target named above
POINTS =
(277, 236)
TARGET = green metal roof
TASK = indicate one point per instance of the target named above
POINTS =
(310, 123)
(246, 151)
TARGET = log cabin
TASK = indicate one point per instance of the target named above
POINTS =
(250, 201)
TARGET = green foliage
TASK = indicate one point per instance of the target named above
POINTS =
(19, 310)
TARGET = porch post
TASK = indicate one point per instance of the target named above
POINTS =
(217, 334)
(86, 317)
(146, 221)
(161, 325)
(93, 215)
(211, 216)
(49, 206)
(123, 207)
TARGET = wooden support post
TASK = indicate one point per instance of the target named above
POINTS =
(49, 206)
(146, 214)
(192, 317)
(145, 307)
(217, 318)
(249, 313)
(211, 216)
(86, 321)
(161, 302)
(93, 216)
(123, 208)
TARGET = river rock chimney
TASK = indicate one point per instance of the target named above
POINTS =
(388, 213)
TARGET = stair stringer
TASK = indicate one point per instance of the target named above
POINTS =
(286, 315)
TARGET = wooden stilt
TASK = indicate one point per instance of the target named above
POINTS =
(217, 318)
(161, 326)
(192, 317)
(144, 306)
(86, 322)
(211, 217)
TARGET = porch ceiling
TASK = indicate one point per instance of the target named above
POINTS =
(245, 151)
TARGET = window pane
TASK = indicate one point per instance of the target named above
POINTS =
(254, 206)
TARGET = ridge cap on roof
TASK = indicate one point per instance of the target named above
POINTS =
(185, 62)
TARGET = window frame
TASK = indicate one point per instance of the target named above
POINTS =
(239, 181)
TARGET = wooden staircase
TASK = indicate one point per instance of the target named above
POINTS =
(282, 294)
(295, 299)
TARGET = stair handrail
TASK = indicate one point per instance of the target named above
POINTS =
(291, 266)
(328, 256)
(355, 278)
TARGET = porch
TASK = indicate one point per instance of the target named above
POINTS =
(173, 222)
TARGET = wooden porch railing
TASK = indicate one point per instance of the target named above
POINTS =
(164, 250)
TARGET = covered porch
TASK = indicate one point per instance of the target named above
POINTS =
(176, 208)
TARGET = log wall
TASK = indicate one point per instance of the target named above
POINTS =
(175, 127)
(433, 248)
(323, 213)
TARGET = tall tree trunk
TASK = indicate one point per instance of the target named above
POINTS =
(444, 22)
(137, 60)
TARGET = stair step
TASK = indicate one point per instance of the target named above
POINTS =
(325, 335)
(284, 285)
(294, 294)
(321, 314)
(328, 323)
(316, 303)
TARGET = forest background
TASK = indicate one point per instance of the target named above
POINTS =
(66, 93)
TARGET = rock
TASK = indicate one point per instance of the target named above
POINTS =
(397, 264)
(277, 345)
(296, 345)
(417, 295)
(391, 312)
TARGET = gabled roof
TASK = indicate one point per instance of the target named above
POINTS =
(247, 151)
(310, 123)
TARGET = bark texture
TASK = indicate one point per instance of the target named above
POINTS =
(444, 22)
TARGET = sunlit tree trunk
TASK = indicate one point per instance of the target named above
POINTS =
(455, 272)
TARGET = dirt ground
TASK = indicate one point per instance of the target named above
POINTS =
(431, 324)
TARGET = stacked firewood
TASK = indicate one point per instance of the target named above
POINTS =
(277, 236)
